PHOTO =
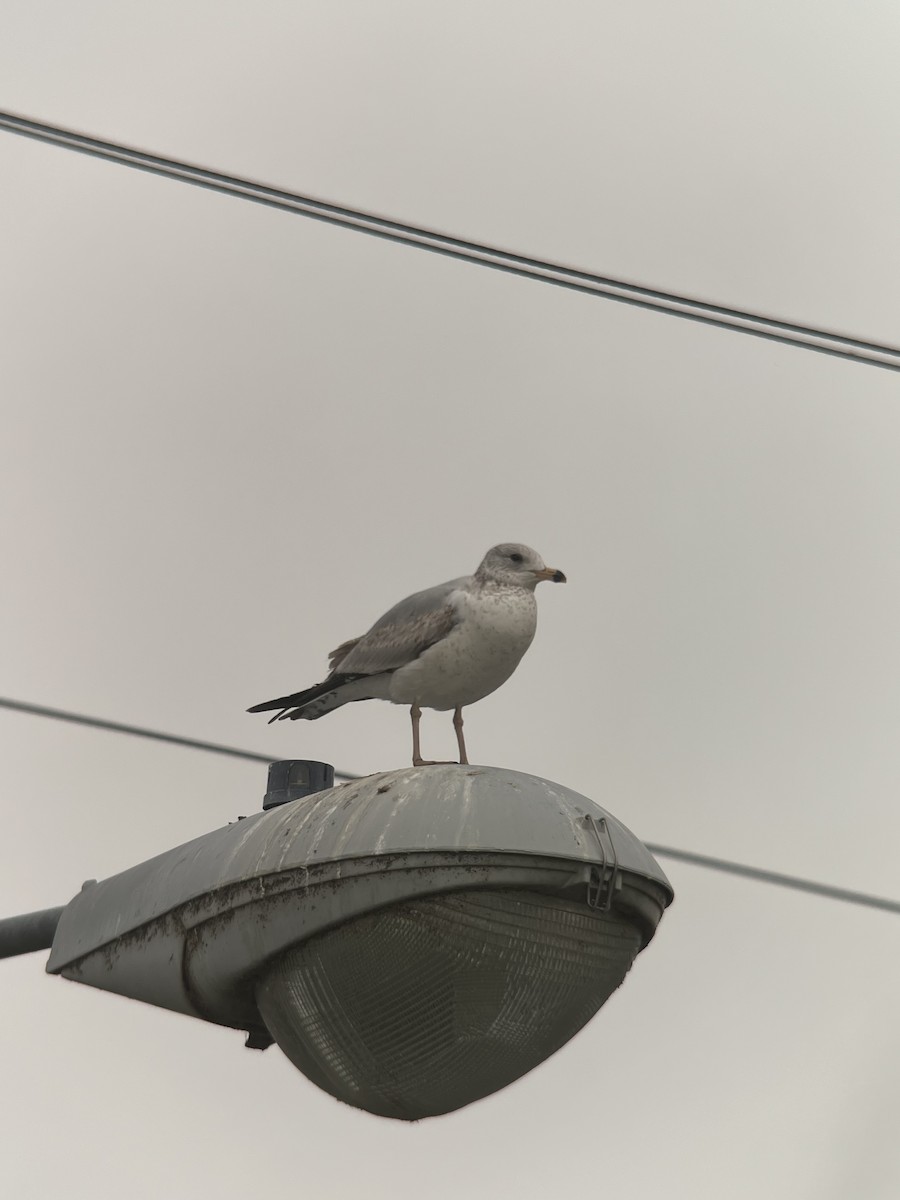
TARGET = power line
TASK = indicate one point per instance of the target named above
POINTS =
(764, 876)
(759, 874)
(59, 714)
(807, 337)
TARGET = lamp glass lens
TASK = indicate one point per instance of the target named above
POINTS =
(421, 1008)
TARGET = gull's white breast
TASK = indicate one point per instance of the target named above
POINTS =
(496, 626)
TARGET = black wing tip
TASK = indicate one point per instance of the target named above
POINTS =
(283, 703)
(291, 707)
(281, 713)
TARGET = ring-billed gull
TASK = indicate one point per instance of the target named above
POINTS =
(442, 648)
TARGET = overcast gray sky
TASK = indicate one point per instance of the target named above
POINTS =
(233, 437)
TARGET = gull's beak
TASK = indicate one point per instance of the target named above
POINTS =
(550, 573)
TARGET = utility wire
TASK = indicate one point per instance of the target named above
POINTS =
(787, 333)
(788, 881)
(59, 714)
(686, 856)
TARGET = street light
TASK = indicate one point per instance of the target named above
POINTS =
(412, 941)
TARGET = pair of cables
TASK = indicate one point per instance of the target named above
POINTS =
(737, 320)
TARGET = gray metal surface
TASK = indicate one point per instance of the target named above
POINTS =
(189, 929)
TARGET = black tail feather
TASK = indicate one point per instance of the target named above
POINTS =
(299, 700)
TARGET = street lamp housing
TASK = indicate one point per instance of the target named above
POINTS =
(413, 940)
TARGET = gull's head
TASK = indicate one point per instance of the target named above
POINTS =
(513, 563)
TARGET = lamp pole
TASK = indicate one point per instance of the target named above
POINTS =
(28, 932)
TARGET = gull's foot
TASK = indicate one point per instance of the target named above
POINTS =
(435, 762)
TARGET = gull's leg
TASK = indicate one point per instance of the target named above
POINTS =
(460, 740)
(415, 714)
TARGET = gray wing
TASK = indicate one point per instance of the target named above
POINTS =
(400, 636)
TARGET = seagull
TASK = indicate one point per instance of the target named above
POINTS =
(444, 648)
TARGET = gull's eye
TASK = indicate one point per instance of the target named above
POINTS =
(517, 558)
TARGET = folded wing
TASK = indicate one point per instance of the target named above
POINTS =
(360, 667)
